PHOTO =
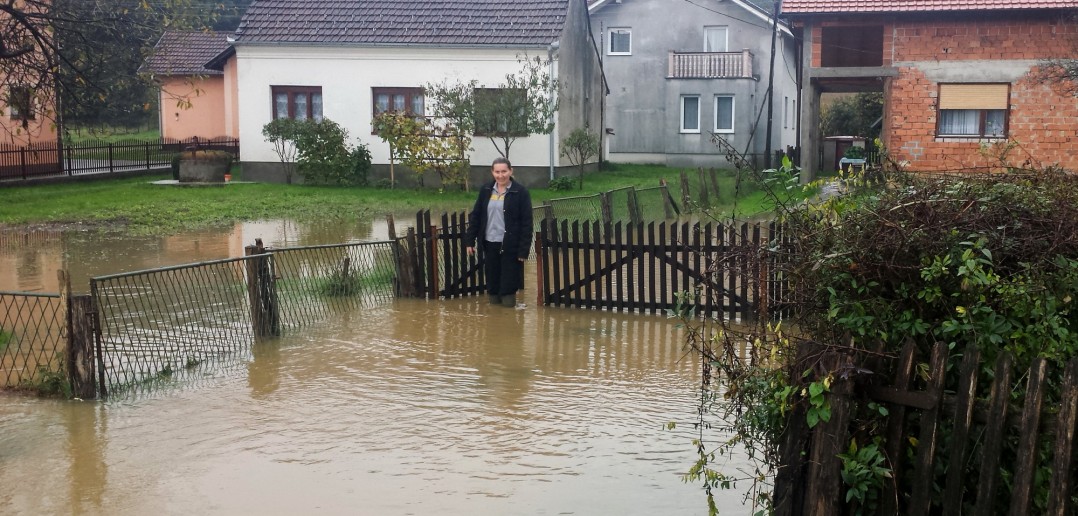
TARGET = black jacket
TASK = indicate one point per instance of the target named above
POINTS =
(517, 212)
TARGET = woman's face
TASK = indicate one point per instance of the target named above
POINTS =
(501, 173)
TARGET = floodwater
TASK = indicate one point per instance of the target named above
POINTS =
(417, 407)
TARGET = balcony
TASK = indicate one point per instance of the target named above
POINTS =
(709, 65)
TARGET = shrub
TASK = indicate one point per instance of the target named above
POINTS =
(562, 183)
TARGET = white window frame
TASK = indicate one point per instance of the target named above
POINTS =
(726, 39)
(785, 112)
(685, 130)
(610, 41)
(733, 118)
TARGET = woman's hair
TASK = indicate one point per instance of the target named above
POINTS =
(500, 159)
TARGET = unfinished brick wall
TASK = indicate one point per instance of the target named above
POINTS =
(1043, 121)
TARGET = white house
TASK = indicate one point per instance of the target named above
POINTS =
(347, 61)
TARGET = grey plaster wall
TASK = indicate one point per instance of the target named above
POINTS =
(644, 106)
(580, 93)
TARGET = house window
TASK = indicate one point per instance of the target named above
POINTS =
(724, 113)
(408, 100)
(620, 42)
(690, 113)
(20, 103)
(715, 39)
(297, 102)
(973, 110)
(500, 111)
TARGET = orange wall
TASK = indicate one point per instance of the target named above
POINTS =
(204, 117)
(232, 99)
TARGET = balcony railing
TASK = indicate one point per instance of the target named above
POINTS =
(709, 65)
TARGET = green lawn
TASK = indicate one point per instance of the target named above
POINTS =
(141, 207)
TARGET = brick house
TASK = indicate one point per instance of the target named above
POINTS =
(956, 76)
(194, 100)
(349, 61)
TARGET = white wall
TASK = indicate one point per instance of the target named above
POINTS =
(347, 75)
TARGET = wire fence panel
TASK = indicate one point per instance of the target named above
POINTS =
(161, 323)
(31, 338)
(315, 282)
(156, 323)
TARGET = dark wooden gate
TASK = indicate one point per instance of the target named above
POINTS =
(435, 262)
(727, 270)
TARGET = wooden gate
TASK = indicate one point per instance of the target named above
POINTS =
(726, 270)
(435, 262)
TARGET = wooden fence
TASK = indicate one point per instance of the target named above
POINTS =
(948, 450)
(728, 270)
(434, 262)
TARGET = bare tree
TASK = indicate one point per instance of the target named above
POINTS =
(74, 57)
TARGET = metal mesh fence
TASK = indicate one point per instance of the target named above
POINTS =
(31, 338)
(156, 323)
(163, 323)
(628, 204)
(315, 282)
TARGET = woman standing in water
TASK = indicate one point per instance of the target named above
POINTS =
(501, 221)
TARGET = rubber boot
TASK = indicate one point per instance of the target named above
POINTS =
(509, 300)
(494, 299)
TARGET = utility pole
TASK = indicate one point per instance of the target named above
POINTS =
(771, 85)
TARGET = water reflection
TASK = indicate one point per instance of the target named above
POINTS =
(413, 407)
(29, 259)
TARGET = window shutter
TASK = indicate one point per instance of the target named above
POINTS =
(974, 96)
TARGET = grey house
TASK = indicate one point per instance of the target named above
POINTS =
(680, 71)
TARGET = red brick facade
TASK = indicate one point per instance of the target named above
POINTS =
(1043, 122)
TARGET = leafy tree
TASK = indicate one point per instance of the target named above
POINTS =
(86, 52)
(580, 146)
(282, 133)
(855, 115)
(520, 106)
(425, 145)
(318, 150)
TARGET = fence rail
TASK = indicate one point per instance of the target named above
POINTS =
(49, 159)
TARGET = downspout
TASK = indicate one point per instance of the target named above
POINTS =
(550, 57)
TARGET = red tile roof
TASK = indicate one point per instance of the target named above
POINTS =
(888, 6)
(185, 53)
(404, 22)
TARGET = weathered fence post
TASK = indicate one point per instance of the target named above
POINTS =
(262, 292)
(540, 291)
(705, 200)
(605, 208)
(828, 441)
(714, 175)
(686, 198)
(432, 262)
(634, 207)
(406, 263)
(668, 204)
(80, 347)
(548, 211)
(79, 327)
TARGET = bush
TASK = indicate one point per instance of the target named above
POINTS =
(323, 155)
(562, 183)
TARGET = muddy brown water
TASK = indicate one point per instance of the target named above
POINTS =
(415, 407)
